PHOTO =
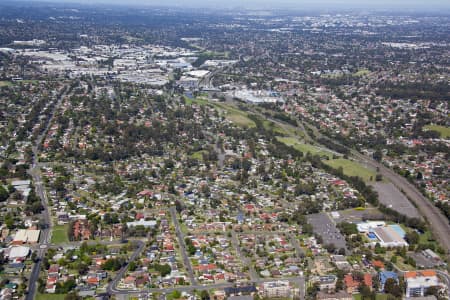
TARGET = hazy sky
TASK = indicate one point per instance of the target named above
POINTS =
(299, 4)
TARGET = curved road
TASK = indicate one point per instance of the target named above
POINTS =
(111, 289)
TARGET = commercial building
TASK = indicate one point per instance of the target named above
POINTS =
(26, 236)
(275, 289)
(418, 282)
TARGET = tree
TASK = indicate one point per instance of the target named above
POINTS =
(72, 296)
(378, 155)
(3, 194)
(412, 237)
(391, 287)
(204, 295)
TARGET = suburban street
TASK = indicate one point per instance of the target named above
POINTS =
(180, 236)
(111, 289)
(45, 235)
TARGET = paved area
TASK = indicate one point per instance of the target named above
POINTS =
(326, 228)
(390, 196)
(357, 216)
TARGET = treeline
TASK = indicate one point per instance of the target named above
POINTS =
(333, 146)
(445, 208)
(394, 215)
(285, 118)
(356, 182)
(415, 91)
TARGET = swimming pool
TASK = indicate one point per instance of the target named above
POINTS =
(372, 236)
(398, 229)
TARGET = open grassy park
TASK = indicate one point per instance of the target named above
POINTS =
(50, 296)
(352, 168)
(59, 234)
(231, 113)
(443, 130)
(305, 148)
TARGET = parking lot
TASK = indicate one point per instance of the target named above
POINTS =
(324, 227)
(390, 196)
(356, 216)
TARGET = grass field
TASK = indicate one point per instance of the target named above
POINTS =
(50, 296)
(5, 83)
(362, 72)
(269, 125)
(198, 155)
(233, 114)
(199, 101)
(305, 148)
(59, 234)
(351, 168)
(427, 238)
(443, 130)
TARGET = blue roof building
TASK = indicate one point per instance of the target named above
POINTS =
(385, 275)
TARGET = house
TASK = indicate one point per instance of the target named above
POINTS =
(130, 282)
(352, 283)
(81, 230)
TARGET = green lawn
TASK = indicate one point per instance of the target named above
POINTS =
(50, 296)
(305, 148)
(427, 238)
(269, 125)
(352, 168)
(59, 234)
(231, 113)
(199, 101)
(235, 115)
(5, 83)
(362, 72)
(198, 155)
(443, 130)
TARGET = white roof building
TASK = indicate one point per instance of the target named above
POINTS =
(18, 252)
(142, 222)
(27, 236)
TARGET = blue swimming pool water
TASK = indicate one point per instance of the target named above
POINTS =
(371, 236)
(398, 229)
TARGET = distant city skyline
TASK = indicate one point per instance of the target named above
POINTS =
(268, 4)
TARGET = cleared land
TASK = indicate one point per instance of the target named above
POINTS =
(59, 234)
(352, 168)
(443, 130)
(390, 196)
